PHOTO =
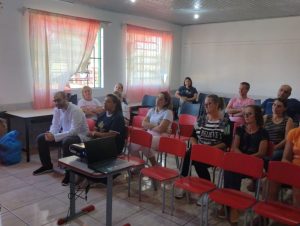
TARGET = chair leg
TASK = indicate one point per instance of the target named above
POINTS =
(172, 200)
(140, 186)
(129, 181)
(164, 198)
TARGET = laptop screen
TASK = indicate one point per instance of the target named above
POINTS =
(100, 149)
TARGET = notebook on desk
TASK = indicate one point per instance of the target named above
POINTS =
(101, 155)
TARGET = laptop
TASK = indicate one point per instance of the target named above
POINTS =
(101, 155)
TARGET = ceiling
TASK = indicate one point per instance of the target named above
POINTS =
(182, 12)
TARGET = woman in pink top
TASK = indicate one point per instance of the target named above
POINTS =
(236, 105)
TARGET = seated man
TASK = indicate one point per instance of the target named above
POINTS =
(236, 105)
(68, 127)
(293, 105)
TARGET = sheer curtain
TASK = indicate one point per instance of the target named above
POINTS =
(148, 61)
(59, 46)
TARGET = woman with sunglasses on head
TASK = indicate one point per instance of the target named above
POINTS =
(213, 129)
(250, 139)
(157, 122)
(278, 125)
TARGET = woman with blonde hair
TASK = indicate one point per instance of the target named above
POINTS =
(89, 105)
(157, 122)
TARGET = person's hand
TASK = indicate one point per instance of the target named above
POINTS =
(49, 136)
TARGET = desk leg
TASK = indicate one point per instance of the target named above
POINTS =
(109, 200)
(72, 194)
(73, 213)
(27, 122)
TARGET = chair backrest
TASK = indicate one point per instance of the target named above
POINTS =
(140, 137)
(244, 164)
(258, 102)
(72, 98)
(201, 98)
(185, 119)
(226, 101)
(137, 121)
(185, 130)
(189, 108)
(207, 154)
(172, 146)
(143, 111)
(284, 173)
(148, 101)
(174, 128)
(91, 124)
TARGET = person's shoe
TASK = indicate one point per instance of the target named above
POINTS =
(42, 170)
(234, 216)
(179, 193)
(221, 213)
(66, 180)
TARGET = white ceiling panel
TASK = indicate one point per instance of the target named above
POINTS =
(182, 12)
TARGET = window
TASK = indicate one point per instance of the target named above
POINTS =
(148, 61)
(92, 76)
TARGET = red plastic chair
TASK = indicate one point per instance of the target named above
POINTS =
(137, 121)
(143, 111)
(174, 129)
(283, 173)
(162, 174)
(91, 124)
(140, 137)
(187, 119)
(204, 154)
(243, 164)
(186, 126)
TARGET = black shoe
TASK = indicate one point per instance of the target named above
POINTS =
(42, 170)
(66, 180)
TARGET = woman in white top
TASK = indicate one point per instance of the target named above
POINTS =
(89, 105)
(157, 122)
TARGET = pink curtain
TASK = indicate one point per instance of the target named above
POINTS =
(148, 61)
(59, 46)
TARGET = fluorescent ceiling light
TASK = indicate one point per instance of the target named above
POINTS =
(133, 1)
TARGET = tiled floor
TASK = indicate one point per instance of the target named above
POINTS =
(41, 200)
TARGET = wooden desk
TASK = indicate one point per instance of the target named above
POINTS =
(29, 117)
(75, 166)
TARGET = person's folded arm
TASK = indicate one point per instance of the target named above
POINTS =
(162, 127)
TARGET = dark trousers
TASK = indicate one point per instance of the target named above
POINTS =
(44, 151)
(276, 156)
(201, 168)
(233, 180)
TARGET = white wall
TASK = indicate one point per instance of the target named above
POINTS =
(265, 53)
(15, 73)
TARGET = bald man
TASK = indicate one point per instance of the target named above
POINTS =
(293, 105)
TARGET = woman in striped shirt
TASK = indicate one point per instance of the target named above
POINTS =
(278, 125)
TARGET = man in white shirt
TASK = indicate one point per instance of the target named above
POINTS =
(68, 126)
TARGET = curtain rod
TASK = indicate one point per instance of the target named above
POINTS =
(60, 14)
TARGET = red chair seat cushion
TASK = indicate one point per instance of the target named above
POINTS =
(195, 185)
(233, 198)
(160, 173)
(280, 212)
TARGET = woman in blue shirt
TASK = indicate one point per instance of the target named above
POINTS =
(187, 92)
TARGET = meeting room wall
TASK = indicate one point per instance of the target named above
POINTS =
(265, 53)
(15, 75)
